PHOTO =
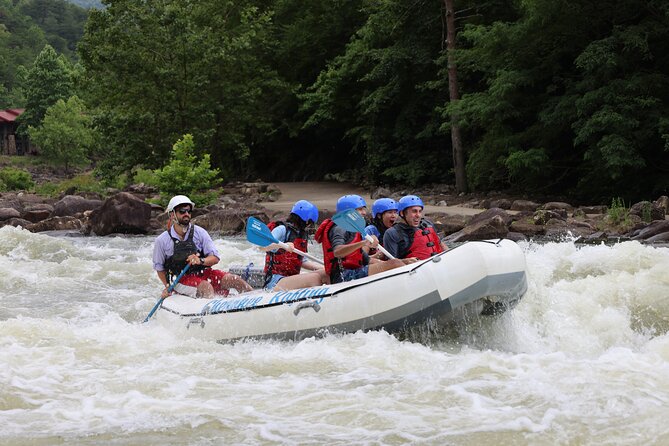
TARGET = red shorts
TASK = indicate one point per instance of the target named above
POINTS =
(189, 282)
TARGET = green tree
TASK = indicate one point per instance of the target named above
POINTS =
(66, 135)
(184, 174)
(378, 88)
(20, 43)
(61, 21)
(47, 81)
(569, 96)
(159, 69)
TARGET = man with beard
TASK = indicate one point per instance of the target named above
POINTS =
(184, 244)
(412, 235)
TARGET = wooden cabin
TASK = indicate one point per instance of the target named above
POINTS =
(10, 142)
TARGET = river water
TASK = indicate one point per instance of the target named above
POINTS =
(583, 359)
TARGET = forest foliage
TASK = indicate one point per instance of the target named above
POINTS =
(556, 97)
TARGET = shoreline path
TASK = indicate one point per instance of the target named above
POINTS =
(325, 194)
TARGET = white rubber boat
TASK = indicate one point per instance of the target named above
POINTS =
(477, 278)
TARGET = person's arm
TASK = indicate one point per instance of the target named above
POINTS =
(311, 266)
(345, 249)
(162, 275)
(280, 234)
(205, 244)
(159, 264)
(391, 241)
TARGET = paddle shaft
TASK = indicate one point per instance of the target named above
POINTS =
(380, 248)
(169, 290)
(352, 221)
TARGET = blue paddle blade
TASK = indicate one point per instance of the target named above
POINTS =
(350, 220)
(258, 233)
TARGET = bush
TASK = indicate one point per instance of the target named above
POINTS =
(16, 179)
(147, 177)
(618, 214)
(86, 182)
(184, 174)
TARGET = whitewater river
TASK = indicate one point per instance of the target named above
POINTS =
(583, 359)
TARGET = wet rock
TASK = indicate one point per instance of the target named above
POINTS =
(7, 213)
(663, 202)
(659, 238)
(655, 228)
(15, 222)
(380, 192)
(490, 213)
(558, 206)
(494, 227)
(501, 203)
(516, 236)
(55, 224)
(647, 211)
(542, 216)
(528, 228)
(524, 205)
(123, 213)
(72, 204)
(140, 189)
(593, 209)
(447, 224)
(35, 215)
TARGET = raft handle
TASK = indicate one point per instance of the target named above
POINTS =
(195, 321)
(303, 305)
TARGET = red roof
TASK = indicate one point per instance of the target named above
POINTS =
(11, 114)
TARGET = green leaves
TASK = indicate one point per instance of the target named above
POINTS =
(66, 133)
(184, 174)
(46, 82)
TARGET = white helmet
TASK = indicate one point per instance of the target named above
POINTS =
(176, 201)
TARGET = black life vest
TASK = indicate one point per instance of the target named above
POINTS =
(284, 262)
(182, 249)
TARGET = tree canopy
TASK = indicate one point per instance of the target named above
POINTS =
(556, 97)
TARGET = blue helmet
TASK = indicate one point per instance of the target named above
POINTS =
(350, 202)
(306, 211)
(410, 200)
(382, 205)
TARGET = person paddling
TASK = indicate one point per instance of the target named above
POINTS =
(345, 254)
(412, 235)
(282, 267)
(186, 243)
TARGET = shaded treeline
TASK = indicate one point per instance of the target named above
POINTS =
(568, 97)
(25, 27)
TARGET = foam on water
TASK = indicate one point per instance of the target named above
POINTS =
(585, 349)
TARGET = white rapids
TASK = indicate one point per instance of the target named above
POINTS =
(582, 359)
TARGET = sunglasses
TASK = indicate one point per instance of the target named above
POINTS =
(184, 211)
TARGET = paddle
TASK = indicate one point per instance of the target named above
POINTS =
(352, 221)
(259, 234)
(169, 290)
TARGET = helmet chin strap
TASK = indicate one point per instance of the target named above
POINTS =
(175, 221)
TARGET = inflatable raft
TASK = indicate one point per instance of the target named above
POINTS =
(477, 278)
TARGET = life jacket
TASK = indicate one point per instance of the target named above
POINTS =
(335, 265)
(182, 249)
(284, 262)
(423, 241)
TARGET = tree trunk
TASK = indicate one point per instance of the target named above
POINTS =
(456, 140)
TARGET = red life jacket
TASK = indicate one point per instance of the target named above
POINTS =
(334, 264)
(284, 262)
(423, 241)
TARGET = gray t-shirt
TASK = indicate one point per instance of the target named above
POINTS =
(339, 236)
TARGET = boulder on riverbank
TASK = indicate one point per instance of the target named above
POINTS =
(123, 213)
